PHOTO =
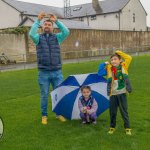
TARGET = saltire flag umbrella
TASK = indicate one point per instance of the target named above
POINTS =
(65, 97)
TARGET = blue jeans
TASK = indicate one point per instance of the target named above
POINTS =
(45, 78)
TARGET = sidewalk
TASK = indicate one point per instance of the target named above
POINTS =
(23, 66)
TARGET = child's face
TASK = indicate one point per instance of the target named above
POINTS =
(115, 61)
(86, 93)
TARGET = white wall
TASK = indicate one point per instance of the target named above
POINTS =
(13, 46)
(126, 17)
(9, 17)
(28, 23)
(103, 22)
(111, 21)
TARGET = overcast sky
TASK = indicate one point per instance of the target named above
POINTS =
(59, 3)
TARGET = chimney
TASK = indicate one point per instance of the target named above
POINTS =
(96, 6)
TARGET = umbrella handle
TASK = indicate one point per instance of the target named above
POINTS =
(87, 118)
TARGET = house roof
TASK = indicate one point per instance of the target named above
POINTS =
(71, 24)
(34, 9)
(107, 6)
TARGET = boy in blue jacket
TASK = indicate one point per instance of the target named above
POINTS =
(118, 85)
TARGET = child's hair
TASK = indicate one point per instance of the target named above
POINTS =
(115, 55)
(85, 87)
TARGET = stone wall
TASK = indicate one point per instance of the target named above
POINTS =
(79, 44)
(13, 46)
(96, 42)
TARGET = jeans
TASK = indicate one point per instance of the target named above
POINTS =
(45, 78)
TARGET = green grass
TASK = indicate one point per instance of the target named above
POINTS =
(19, 108)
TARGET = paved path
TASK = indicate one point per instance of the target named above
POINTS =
(22, 66)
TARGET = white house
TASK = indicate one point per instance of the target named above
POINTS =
(112, 15)
(17, 13)
(127, 15)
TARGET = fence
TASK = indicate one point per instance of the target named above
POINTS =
(80, 40)
(81, 44)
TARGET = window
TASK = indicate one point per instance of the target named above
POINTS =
(133, 17)
(117, 16)
(77, 8)
(93, 17)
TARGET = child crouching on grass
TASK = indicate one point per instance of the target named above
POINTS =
(88, 106)
(117, 87)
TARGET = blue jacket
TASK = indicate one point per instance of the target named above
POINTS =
(102, 70)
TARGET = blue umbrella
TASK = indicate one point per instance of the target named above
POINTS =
(65, 97)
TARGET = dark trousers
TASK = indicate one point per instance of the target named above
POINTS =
(121, 102)
(92, 116)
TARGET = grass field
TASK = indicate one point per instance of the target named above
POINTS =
(19, 108)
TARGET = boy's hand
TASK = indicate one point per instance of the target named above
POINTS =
(52, 17)
(41, 15)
